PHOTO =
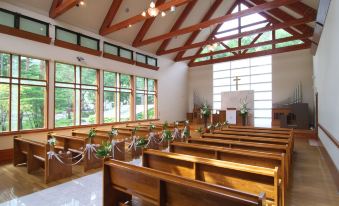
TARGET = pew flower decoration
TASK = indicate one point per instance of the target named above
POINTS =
(92, 133)
(205, 113)
(176, 124)
(200, 130)
(186, 133)
(113, 133)
(218, 125)
(52, 141)
(141, 142)
(165, 126)
(104, 150)
(167, 135)
(134, 131)
(210, 128)
(151, 127)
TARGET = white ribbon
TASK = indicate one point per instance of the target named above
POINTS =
(52, 154)
(114, 146)
(151, 138)
(133, 144)
(176, 134)
(89, 149)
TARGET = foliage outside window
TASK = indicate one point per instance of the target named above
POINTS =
(125, 93)
(145, 98)
(23, 93)
(110, 96)
(76, 90)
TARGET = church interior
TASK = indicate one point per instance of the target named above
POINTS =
(169, 102)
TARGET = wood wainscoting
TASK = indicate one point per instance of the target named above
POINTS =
(6, 156)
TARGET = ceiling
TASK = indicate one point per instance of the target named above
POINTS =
(91, 16)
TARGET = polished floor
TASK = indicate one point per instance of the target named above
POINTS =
(312, 184)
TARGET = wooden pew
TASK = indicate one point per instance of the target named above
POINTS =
(269, 131)
(247, 178)
(123, 180)
(261, 159)
(261, 128)
(254, 134)
(34, 154)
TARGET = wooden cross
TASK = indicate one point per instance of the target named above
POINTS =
(236, 82)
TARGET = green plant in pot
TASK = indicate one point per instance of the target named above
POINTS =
(205, 113)
(92, 133)
(244, 111)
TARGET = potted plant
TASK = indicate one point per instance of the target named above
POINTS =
(244, 111)
(205, 113)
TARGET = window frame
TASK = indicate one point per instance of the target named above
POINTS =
(78, 87)
(119, 48)
(19, 84)
(146, 92)
(147, 57)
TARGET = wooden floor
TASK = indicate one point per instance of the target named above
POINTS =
(312, 183)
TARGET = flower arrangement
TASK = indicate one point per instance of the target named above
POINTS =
(218, 125)
(165, 126)
(92, 133)
(243, 107)
(167, 135)
(141, 142)
(200, 130)
(205, 113)
(134, 131)
(113, 133)
(151, 127)
(51, 141)
(211, 128)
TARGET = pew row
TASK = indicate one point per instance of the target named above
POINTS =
(121, 181)
(254, 130)
(247, 178)
(33, 153)
(261, 159)
(261, 128)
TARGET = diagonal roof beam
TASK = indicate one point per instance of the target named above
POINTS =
(61, 6)
(178, 23)
(112, 12)
(146, 26)
(275, 41)
(253, 10)
(236, 36)
(138, 18)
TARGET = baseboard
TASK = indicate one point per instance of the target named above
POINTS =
(333, 169)
(6, 156)
(303, 133)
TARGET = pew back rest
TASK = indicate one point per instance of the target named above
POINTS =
(161, 188)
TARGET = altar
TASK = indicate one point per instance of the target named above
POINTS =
(231, 101)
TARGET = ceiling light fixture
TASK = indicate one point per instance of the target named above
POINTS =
(153, 11)
(82, 3)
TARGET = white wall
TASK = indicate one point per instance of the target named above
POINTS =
(287, 70)
(326, 74)
(172, 77)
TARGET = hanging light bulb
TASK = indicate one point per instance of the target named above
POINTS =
(173, 8)
(152, 5)
(163, 14)
(82, 3)
(143, 14)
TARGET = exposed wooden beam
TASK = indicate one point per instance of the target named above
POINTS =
(282, 15)
(61, 6)
(302, 9)
(251, 55)
(236, 36)
(194, 35)
(254, 40)
(133, 20)
(146, 26)
(113, 10)
(178, 23)
(277, 41)
(253, 10)
(242, 27)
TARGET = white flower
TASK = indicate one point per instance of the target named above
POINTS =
(51, 141)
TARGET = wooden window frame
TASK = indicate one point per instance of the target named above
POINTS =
(19, 84)
(80, 89)
(131, 96)
(146, 92)
(117, 100)
(118, 56)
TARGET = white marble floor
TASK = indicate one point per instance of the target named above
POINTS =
(85, 191)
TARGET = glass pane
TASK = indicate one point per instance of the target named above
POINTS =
(281, 33)
(218, 90)
(262, 122)
(110, 107)
(151, 85)
(15, 66)
(216, 105)
(229, 25)
(221, 66)
(240, 87)
(125, 106)
(261, 69)
(66, 36)
(110, 49)
(140, 83)
(88, 107)
(240, 63)
(89, 43)
(152, 61)
(88, 76)
(221, 82)
(14, 107)
(5, 64)
(32, 107)
(250, 19)
(64, 73)
(141, 58)
(77, 108)
(267, 36)
(288, 43)
(240, 72)
(262, 104)
(125, 53)
(261, 78)
(31, 82)
(262, 87)
(221, 74)
(110, 79)
(33, 26)
(150, 107)
(6, 19)
(263, 96)
(125, 81)
(263, 113)
(4, 107)
(140, 106)
(217, 97)
(77, 74)
(64, 107)
(33, 68)
(242, 80)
